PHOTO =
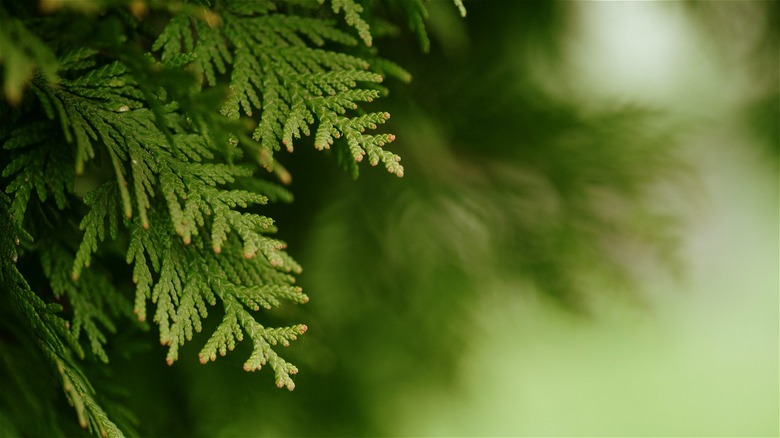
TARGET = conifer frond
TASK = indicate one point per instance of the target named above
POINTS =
(352, 11)
(461, 7)
(187, 287)
(210, 53)
(168, 289)
(238, 321)
(36, 164)
(103, 207)
(48, 329)
(192, 194)
(417, 14)
(279, 69)
(274, 192)
(254, 284)
(97, 107)
(81, 396)
(11, 236)
(155, 150)
(189, 186)
(143, 243)
(388, 68)
(181, 295)
(93, 297)
(56, 342)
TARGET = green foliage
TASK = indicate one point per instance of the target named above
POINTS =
(352, 11)
(139, 126)
(278, 60)
(28, 317)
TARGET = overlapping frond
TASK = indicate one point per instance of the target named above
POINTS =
(94, 299)
(188, 207)
(45, 326)
(193, 278)
(416, 12)
(280, 68)
(238, 321)
(80, 394)
(36, 165)
(103, 208)
(352, 14)
(133, 132)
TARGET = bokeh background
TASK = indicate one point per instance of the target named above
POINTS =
(585, 242)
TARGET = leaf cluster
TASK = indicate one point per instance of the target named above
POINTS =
(140, 131)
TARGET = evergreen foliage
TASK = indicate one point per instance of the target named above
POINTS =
(139, 131)
(144, 143)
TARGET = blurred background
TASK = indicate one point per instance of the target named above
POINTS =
(585, 241)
